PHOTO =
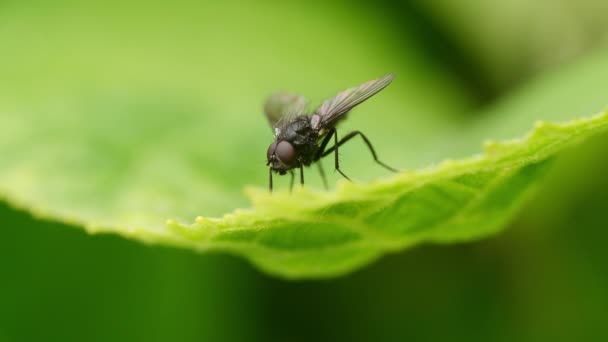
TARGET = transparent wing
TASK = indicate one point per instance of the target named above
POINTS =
(279, 107)
(333, 108)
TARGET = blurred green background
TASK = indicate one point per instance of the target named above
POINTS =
(459, 63)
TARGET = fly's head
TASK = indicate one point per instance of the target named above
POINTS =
(281, 156)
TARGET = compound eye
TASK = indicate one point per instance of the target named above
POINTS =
(286, 153)
(270, 151)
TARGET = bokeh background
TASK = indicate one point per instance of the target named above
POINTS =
(459, 64)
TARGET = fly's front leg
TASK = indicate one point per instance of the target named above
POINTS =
(270, 179)
(301, 173)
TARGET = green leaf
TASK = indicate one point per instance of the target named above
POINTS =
(317, 234)
(130, 123)
(323, 234)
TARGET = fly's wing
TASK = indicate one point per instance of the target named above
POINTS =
(332, 109)
(280, 107)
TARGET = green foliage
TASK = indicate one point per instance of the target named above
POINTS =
(309, 233)
(319, 234)
(116, 136)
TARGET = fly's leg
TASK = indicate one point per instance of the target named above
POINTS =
(270, 179)
(291, 181)
(324, 143)
(301, 174)
(367, 142)
(319, 154)
(322, 152)
(335, 150)
(322, 173)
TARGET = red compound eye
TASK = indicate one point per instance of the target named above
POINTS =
(285, 152)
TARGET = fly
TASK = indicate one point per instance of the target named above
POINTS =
(301, 139)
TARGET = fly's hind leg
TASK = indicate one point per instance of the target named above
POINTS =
(347, 138)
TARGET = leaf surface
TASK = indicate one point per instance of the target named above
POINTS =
(321, 234)
(116, 136)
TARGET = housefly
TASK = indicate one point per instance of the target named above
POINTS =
(301, 139)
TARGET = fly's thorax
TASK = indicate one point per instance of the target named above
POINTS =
(294, 130)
